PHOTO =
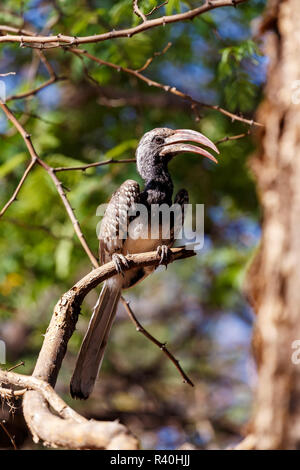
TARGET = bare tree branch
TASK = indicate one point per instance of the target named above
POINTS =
(232, 137)
(166, 88)
(26, 94)
(61, 40)
(157, 8)
(33, 383)
(156, 54)
(68, 308)
(93, 165)
(68, 429)
(137, 73)
(18, 188)
(45, 426)
(161, 346)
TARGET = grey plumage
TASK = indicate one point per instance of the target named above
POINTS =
(153, 154)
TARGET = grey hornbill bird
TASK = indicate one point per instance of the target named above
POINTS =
(154, 152)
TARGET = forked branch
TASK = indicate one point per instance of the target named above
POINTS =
(66, 428)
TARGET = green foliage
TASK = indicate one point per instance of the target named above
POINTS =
(240, 91)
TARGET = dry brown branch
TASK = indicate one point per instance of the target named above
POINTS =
(52, 75)
(61, 40)
(47, 64)
(34, 91)
(154, 9)
(232, 137)
(137, 73)
(92, 165)
(161, 346)
(43, 424)
(166, 88)
(68, 307)
(52, 79)
(32, 383)
(67, 428)
(21, 363)
(18, 188)
(88, 434)
(156, 54)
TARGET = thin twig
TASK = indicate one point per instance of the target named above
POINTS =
(92, 165)
(47, 64)
(166, 88)
(161, 346)
(157, 8)
(34, 91)
(17, 190)
(137, 11)
(233, 137)
(11, 438)
(22, 363)
(156, 54)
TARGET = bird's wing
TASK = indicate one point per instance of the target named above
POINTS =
(114, 225)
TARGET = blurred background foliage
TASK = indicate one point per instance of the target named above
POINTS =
(97, 113)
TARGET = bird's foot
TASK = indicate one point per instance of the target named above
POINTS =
(165, 254)
(120, 262)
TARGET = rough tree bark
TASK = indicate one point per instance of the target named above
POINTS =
(274, 278)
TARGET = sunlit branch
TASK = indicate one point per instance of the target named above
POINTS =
(18, 188)
(167, 88)
(93, 165)
(60, 40)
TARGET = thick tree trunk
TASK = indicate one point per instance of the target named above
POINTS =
(274, 277)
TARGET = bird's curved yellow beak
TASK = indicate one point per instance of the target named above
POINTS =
(176, 143)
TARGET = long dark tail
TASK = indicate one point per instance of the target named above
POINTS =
(91, 353)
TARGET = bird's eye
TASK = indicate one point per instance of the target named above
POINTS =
(158, 140)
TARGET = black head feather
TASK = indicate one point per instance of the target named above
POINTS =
(149, 161)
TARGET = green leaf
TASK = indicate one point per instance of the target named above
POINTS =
(12, 163)
(173, 5)
(62, 258)
(119, 149)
